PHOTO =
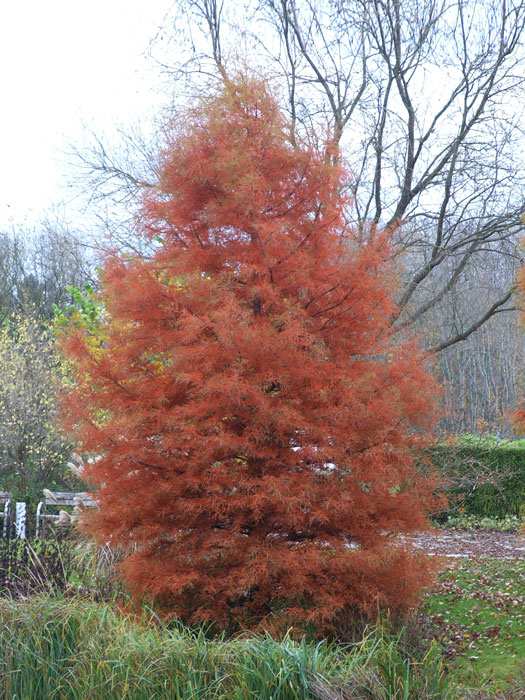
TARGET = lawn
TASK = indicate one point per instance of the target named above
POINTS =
(478, 611)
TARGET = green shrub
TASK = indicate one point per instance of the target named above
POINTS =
(33, 450)
(464, 521)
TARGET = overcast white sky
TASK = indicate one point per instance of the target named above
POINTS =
(65, 63)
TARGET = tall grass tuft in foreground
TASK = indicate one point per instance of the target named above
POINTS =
(52, 649)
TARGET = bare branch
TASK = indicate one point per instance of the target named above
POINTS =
(475, 326)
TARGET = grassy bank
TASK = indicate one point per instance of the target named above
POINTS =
(60, 650)
(66, 647)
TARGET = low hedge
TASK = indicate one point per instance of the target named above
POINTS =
(486, 476)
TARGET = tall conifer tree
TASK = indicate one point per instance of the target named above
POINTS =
(519, 415)
(253, 416)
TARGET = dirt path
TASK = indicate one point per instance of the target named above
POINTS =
(461, 543)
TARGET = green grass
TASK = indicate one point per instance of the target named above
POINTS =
(479, 612)
(53, 649)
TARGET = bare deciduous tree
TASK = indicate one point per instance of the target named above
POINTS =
(483, 375)
(425, 101)
(36, 267)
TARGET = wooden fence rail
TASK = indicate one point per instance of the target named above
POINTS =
(60, 499)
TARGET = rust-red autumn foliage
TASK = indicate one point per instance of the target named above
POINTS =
(519, 415)
(253, 415)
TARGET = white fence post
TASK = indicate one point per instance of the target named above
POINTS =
(5, 500)
(20, 521)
